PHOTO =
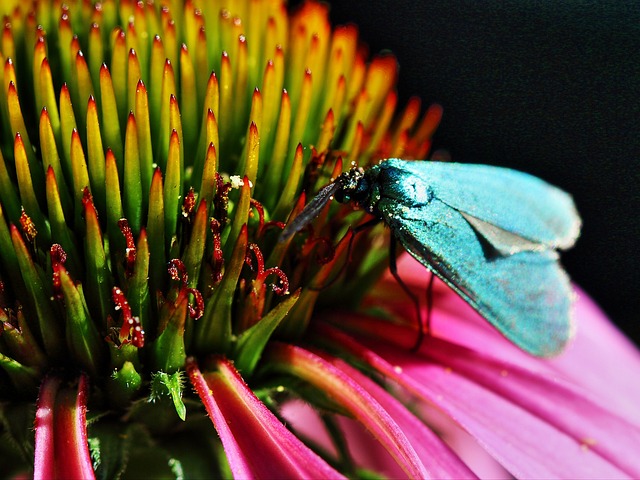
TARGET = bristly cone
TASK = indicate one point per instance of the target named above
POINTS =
(150, 154)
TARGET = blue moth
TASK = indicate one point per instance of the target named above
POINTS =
(492, 234)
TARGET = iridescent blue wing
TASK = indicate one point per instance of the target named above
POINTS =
(515, 202)
(497, 251)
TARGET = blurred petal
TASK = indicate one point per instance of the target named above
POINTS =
(602, 360)
(256, 443)
(439, 460)
(352, 397)
(61, 449)
(568, 416)
(526, 445)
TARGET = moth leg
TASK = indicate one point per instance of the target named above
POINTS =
(423, 326)
(366, 225)
(429, 295)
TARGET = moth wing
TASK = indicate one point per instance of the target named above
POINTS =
(513, 201)
(525, 295)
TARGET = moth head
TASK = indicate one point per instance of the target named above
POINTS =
(353, 187)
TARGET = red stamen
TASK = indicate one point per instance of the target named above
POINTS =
(28, 227)
(260, 209)
(197, 311)
(262, 274)
(189, 203)
(131, 330)
(217, 258)
(58, 257)
(130, 251)
(178, 272)
(221, 200)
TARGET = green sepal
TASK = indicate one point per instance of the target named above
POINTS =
(60, 230)
(8, 257)
(65, 36)
(80, 176)
(172, 189)
(132, 190)
(168, 89)
(83, 87)
(19, 128)
(67, 126)
(110, 120)
(214, 328)
(16, 422)
(95, 52)
(138, 285)
(8, 194)
(188, 102)
(208, 174)
(240, 214)
(21, 343)
(297, 323)
(114, 205)
(98, 277)
(155, 235)
(25, 379)
(144, 140)
(95, 156)
(209, 126)
(168, 350)
(83, 339)
(276, 170)
(123, 384)
(156, 71)
(290, 190)
(51, 158)
(112, 446)
(40, 296)
(194, 252)
(163, 383)
(120, 354)
(44, 86)
(118, 69)
(252, 342)
(28, 194)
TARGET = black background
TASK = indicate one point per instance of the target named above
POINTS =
(547, 87)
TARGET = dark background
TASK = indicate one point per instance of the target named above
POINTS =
(548, 87)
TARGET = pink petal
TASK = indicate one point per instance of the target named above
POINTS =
(256, 443)
(599, 358)
(44, 448)
(61, 449)
(602, 360)
(525, 444)
(439, 460)
(352, 397)
(555, 400)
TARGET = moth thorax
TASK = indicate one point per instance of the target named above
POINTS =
(354, 187)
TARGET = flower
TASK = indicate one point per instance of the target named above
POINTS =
(150, 154)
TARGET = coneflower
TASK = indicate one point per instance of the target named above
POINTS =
(153, 325)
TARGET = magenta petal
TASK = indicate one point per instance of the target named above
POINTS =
(45, 466)
(61, 449)
(256, 443)
(602, 360)
(353, 398)
(439, 460)
(526, 445)
(599, 358)
(551, 398)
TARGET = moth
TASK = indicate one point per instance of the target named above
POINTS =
(491, 234)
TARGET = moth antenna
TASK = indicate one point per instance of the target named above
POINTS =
(311, 210)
